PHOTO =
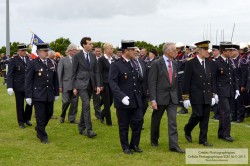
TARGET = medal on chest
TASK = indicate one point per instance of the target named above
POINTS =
(221, 71)
(126, 76)
(40, 72)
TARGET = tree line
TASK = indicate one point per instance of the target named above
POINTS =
(61, 44)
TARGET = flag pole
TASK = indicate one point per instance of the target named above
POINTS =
(7, 28)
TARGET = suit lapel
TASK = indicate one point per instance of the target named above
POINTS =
(164, 68)
(92, 60)
(174, 71)
(82, 56)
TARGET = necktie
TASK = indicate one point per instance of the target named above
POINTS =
(87, 59)
(45, 62)
(170, 71)
(23, 59)
(203, 65)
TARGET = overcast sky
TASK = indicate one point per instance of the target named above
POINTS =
(154, 21)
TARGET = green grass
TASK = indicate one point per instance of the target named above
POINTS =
(67, 147)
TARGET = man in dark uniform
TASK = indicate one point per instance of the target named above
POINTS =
(124, 82)
(141, 68)
(42, 89)
(215, 55)
(225, 85)
(152, 56)
(188, 52)
(181, 66)
(4, 64)
(238, 111)
(198, 92)
(15, 82)
(245, 81)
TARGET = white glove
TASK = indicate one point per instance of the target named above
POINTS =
(213, 102)
(216, 99)
(10, 91)
(186, 103)
(28, 101)
(237, 94)
(56, 97)
(125, 100)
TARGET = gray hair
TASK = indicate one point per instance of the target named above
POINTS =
(71, 47)
(52, 52)
(166, 46)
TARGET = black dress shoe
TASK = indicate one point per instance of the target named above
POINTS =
(154, 144)
(127, 151)
(21, 126)
(73, 121)
(183, 111)
(229, 139)
(136, 149)
(101, 120)
(53, 117)
(91, 134)
(177, 149)
(61, 120)
(45, 141)
(206, 144)
(84, 133)
(188, 137)
(28, 123)
(239, 121)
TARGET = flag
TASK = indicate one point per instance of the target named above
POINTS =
(35, 40)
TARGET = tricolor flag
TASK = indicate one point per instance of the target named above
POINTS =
(35, 40)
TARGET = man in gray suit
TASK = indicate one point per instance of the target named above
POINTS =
(64, 71)
(85, 78)
(162, 83)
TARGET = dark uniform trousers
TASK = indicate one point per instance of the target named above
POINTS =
(107, 98)
(22, 115)
(225, 105)
(44, 111)
(68, 98)
(41, 84)
(172, 126)
(132, 118)
(200, 114)
(216, 111)
(85, 118)
(124, 80)
(238, 110)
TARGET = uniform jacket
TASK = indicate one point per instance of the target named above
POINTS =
(224, 78)
(197, 82)
(16, 73)
(41, 82)
(125, 81)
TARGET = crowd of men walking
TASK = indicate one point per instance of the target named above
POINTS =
(184, 76)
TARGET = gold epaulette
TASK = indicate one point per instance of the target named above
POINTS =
(188, 59)
(185, 97)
